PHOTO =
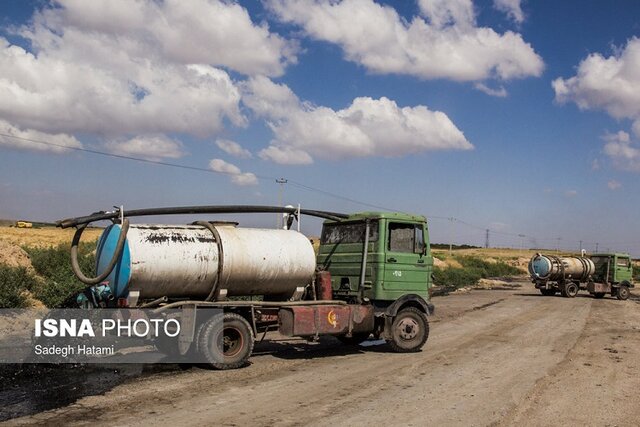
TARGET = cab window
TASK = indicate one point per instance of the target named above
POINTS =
(405, 238)
(352, 232)
(623, 262)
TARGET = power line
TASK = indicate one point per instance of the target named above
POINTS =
(125, 157)
(194, 168)
(289, 181)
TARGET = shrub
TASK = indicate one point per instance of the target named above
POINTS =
(473, 269)
(54, 265)
(455, 277)
(488, 269)
(14, 281)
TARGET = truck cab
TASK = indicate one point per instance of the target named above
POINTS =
(612, 268)
(398, 257)
(613, 273)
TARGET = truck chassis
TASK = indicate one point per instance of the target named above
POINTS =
(225, 339)
(569, 288)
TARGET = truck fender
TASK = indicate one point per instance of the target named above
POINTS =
(410, 300)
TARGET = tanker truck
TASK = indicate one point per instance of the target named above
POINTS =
(599, 274)
(371, 276)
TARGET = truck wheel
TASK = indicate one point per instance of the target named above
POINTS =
(570, 290)
(355, 339)
(598, 295)
(226, 341)
(409, 330)
(547, 292)
(623, 293)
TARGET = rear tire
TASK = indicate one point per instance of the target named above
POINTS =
(409, 331)
(623, 293)
(547, 292)
(226, 341)
(570, 290)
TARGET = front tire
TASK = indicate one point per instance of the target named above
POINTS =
(226, 341)
(409, 331)
(623, 293)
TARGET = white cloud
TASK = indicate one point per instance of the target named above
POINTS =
(22, 136)
(611, 84)
(119, 68)
(151, 147)
(233, 149)
(368, 127)
(570, 193)
(246, 178)
(214, 32)
(219, 165)
(512, 8)
(285, 155)
(623, 152)
(613, 185)
(442, 13)
(500, 92)
(237, 176)
(448, 44)
(595, 165)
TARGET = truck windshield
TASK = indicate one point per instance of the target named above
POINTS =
(348, 233)
(599, 260)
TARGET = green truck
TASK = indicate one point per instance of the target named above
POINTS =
(371, 275)
(599, 274)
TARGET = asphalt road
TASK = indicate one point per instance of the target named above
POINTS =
(494, 357)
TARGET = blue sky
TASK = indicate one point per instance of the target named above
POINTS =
(521, 117)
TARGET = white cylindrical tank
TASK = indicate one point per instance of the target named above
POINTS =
(184, 261)
(550, 267)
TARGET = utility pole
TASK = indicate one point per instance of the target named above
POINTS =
(580, 246)
(486, 239)
(558, 245)
(522, 236)
(451, 219)
(596, 247)
(282, 182)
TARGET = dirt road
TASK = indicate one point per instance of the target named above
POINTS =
(508, 357)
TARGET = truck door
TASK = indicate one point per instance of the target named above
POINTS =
(623, 271)
(406, 267)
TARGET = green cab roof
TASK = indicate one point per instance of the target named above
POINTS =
(360, 216)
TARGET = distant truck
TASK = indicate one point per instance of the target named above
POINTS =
(599, 274)
(23, 224)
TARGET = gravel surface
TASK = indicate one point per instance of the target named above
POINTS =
(494, 357)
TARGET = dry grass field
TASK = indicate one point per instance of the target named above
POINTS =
(45, 236)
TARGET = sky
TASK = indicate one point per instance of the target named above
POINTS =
(515, 116)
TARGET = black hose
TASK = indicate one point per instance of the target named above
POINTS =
(186, 210)
(216, 236)
(75, 266)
